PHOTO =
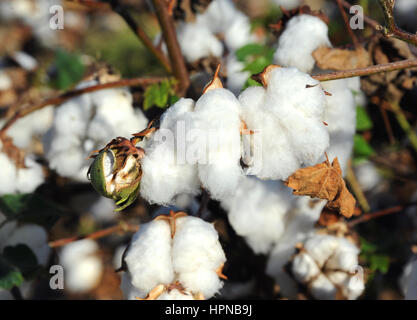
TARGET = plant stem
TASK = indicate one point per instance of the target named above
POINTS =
(349, 29)
(404, 124)
(356, 188)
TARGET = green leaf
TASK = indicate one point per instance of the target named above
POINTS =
(159, 95)
(9, 275)
(379, 262)
(257, 65)
(23, 258)
(69, 69)
(363, 122)
(248, 50)
(251, 83)
(31, 208)
(361, 148)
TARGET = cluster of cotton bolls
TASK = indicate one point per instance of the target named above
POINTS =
(31, 235)
(82, 265)
(177, 252)
(328, 266)
(87, 123)
(34, 13)
(340, 113)
(199, 143)
(199, 39)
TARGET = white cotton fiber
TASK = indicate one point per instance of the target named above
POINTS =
(304, 268)
(29, 178)
(367, 175)
(35, 237)
(175, 295)
(216, 115)
(302, 35)
(288, 4)
(197, 41)
(7, 174)
(130, 292)
(83, 268)
(345, 257)
(166, 173)
(149, 256)
(321, 247)
(257, 211)
(352, 286)
(322, 288)
(236, 77)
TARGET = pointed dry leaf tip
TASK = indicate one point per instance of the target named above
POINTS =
(215, 83)
(145, 133)
(219, 272)
(154, 293)
(263, 77)
(171, 219)
(324, 181)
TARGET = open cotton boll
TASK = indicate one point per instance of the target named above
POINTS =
(149, 256)
(197, 41)
(197, 255)
(83, 268)
(238, 33)
(29, 178)
(270, 140)
(236, 77)
(322, 288)
(130, 292)
(216, 116)
(257, 211)
(321, 247)
(219, 15)
(352, 286)
(35, 237)
(345, 256)
(7, 174)
(302, 35)
(367, 175)
(166, 169)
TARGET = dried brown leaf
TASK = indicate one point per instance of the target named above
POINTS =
(324, 181)
(341, 59)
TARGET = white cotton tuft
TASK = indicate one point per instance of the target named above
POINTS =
(35, 237)
(216, 116)
(175, 295)
(7, 175)
(367, 175)
(302, 35)
(149, 256)
(29, 178)
(408, 280)
(236, 77)
(288, 4)
(322, 288)
(166, 171)
(83, 268)
(130, 292)
(321, 247)
(304, 267)
(352, 287)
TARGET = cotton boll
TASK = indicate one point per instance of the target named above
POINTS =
(196, 42)
(322, 288)
(302, 35)
(83, 268)
(175, 295)
(71, 118)
(321, 248)
(35, 237)
(238, 33)
(166, 169)
(345, 257)
(130, 292)
(149, 256)
(201, 280)
(367, 175)
(258, 210)
(29, 178)
(236, 77)
(8, 175)
(304, 268)
(288, 4)
(68, 162)
(352, 286)
(219, 15)
(216, 115)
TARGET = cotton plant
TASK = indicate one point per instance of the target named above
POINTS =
(174, 256)
(86, 123)
(328, 266)
(82, 264)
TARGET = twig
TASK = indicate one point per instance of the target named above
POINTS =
(141, 34)
(174, 51)
(387, 125)
(349, 29)
(122, 227)
(391, 29)
(356, 188)
(398, 65)
(73, 93)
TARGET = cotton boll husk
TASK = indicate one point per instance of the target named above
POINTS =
(83, 269)
(130, 292)
(277, 162)
(321, 247)
(164, 175)
(217, 117)
(300, 110)
(304, 268)
(35, 237)
(345, 257)
(236, 77)
(197, 41)
(322, 288)
(352, 286)
(175, 295)
(149, 256)
(367, 175)
(8, 174)
(257, 211)
(29, 178)
(302, 35)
